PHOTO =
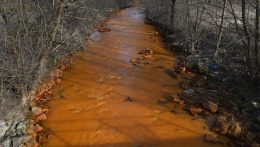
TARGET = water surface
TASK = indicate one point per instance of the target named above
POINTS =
(94, 112)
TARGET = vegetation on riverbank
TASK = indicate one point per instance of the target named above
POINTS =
(224, 33)
(34, 35)
(220, 42)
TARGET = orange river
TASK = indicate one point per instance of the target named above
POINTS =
(94, 111)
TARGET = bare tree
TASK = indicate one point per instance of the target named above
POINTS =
(220, 29)
(172, 11)
(257, 34)
(226, 31)
(34, 35)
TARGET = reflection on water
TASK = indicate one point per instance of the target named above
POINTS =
(94, 111)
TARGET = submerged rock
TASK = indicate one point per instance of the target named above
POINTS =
(129, 99)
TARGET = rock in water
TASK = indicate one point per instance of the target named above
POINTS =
(37, 128)
(36, 110)
(210, 106)
(146, 52)
(194, 110)
(177, 99)
(129, 99)
(42, 117)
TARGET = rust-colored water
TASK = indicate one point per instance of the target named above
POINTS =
(94, 112)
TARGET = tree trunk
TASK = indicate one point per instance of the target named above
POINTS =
(220, 31)
(257, 33)
(248, 40)
(172, 11)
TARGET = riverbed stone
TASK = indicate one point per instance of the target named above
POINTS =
(12, 132)
(221, 125)
(22, 127)
(189, 91)
(194, 110)
(235, 130)
(6, 143)
(210, 106)
(36, 110)
(18, 141)
(3, 128)
(42, 117)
